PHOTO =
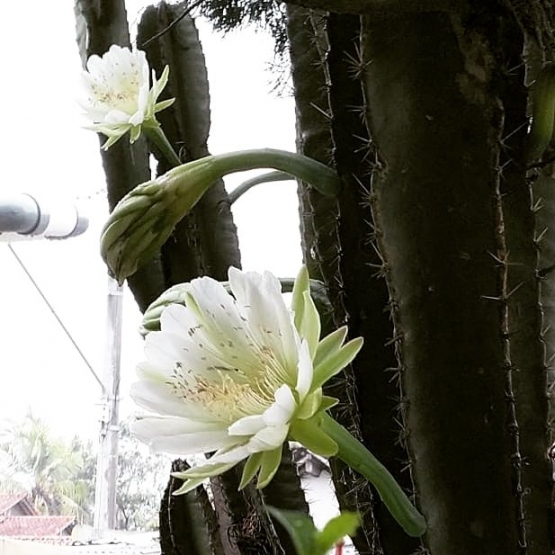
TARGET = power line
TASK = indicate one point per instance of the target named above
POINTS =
(91, 369)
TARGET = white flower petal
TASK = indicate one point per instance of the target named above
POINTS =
(163, 350)
(117, 117)
(171, 435)
(137, 118)
(259, 298)
(233, 455)
(247, 425)
(305, 369)
(268, 439)
(282, 410)
(218, 311)
(224, 327)
(177, 319)
(158, 397)
(169, 425)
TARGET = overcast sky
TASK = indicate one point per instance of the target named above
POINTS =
(44, 151)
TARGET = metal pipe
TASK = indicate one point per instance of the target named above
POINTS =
(22, 216)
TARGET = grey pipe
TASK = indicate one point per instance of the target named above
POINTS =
(23, 216)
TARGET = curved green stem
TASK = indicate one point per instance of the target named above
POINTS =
(352, 452)
(158, 137)
(323, 179)
(269, 177)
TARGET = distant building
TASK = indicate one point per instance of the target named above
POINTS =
(16, 504)
(19, 520)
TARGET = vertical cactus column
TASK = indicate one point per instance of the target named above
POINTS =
(465, 303)
(340, 247)
(309, 46)
(99, 25)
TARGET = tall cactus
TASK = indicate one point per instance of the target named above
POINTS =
(438, 251)
(461, 266)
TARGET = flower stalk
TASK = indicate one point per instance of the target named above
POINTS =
(322, 178)
(352, 452)
(158, 137)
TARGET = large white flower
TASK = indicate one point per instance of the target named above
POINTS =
(238, 375)
(118, 94)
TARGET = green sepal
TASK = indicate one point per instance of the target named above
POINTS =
(164, 104)
(250, 469)
(189, 485)
(311, 405)
(301, 285)
(161, 83)
(327, 403)
(335, 530)
(310, 435)
(269, 465)
(204, 471)
(329, 345)
(334, 363)
(134, 133)
(310, 324)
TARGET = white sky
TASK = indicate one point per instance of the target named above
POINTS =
(44, 151)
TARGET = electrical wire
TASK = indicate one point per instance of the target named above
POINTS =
(69, 336)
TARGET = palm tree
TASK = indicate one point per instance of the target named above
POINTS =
(31, 459)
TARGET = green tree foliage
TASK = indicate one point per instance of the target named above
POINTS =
(266, 14)
(33, 460)
(60, 475)
(142, 477)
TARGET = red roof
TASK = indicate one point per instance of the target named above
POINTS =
(34, 526)
(9, 500)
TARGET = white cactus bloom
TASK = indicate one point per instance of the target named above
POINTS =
(238, 375)
(119, 98)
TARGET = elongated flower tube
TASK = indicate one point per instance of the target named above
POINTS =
(119, 98)
(239, 374)
(144, 219)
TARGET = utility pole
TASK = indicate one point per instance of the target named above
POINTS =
(107, 461)
(23, 217)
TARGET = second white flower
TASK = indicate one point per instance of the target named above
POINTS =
(234, 374)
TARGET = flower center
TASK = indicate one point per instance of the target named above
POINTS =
(119, 91)
(124, 100)
(224, 397)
